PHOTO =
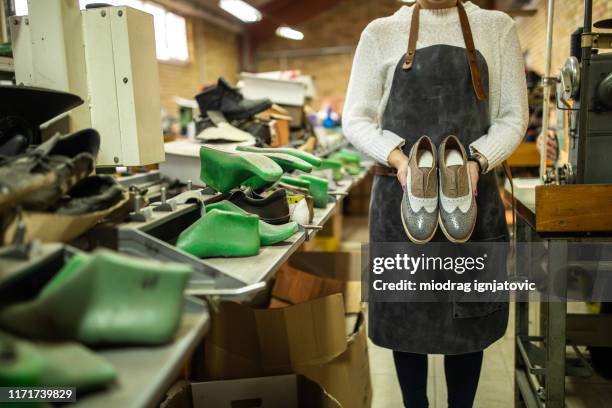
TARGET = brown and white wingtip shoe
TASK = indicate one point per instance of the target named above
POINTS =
(419, 209)
(457, 203)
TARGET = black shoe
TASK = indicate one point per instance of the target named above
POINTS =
(94, 193)
(14, 146)
(260, 131)
(38, 178)
(230, 101)
(35, 105)
(273, 209)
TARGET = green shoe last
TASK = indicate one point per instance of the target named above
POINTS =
(222, 234)
(268, 234)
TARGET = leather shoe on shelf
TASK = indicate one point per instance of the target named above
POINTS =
(227, 99)
(221, 234)
(317, 187)
(223, 170)
(27, 364)
(420, 201)
(92, 194)
(38, 178)
(457, 203)
(269, 234)
(273, 208)
(307, 157)
(104, 298)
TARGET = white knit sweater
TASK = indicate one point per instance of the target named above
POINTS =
(385, 40)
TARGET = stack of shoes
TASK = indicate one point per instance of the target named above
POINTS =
(228, 100)
(227, 117)
(52, 185)
(438, 192)
(104, 298)
(41, 176)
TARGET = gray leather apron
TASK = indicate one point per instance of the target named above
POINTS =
(435, 96)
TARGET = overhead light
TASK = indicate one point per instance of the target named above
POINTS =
(241, 10)
(290, 33)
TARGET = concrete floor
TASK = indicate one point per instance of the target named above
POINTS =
(496, 387)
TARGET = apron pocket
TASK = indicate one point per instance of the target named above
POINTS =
(465, 310)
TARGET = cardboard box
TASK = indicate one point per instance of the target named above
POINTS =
(307, 338)
(178, 396)
(331, 267)
(266, 392)
(346, 378)
(295, 286)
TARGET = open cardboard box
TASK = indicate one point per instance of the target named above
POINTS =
(265, 392)
(314, 274)
(308, 338)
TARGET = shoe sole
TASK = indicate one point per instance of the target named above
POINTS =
(452, 239)
(413, 239)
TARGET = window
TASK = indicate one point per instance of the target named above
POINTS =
(170, 28)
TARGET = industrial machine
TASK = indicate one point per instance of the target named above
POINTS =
(584, 90)
(105, 55)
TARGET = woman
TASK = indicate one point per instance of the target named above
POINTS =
(396, 96)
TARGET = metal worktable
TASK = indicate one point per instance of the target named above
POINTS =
(270, 258)
(146, 373)
(541, 364)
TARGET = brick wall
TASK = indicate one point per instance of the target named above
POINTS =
(568, 16)
(213, 52)
(339, 26)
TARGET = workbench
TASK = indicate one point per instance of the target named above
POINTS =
(146, 373)
(555, 216)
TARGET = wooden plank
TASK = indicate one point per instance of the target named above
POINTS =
(526, 155)
(574, 208)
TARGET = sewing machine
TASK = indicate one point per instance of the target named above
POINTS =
(584, 90)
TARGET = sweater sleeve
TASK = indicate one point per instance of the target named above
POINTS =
(365, 91)
(509, 125)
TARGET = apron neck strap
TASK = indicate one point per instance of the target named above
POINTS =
(467, 38)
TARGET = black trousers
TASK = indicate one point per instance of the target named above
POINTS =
(462, 373)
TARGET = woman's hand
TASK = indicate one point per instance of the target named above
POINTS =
(474, 171)
(399, 161)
